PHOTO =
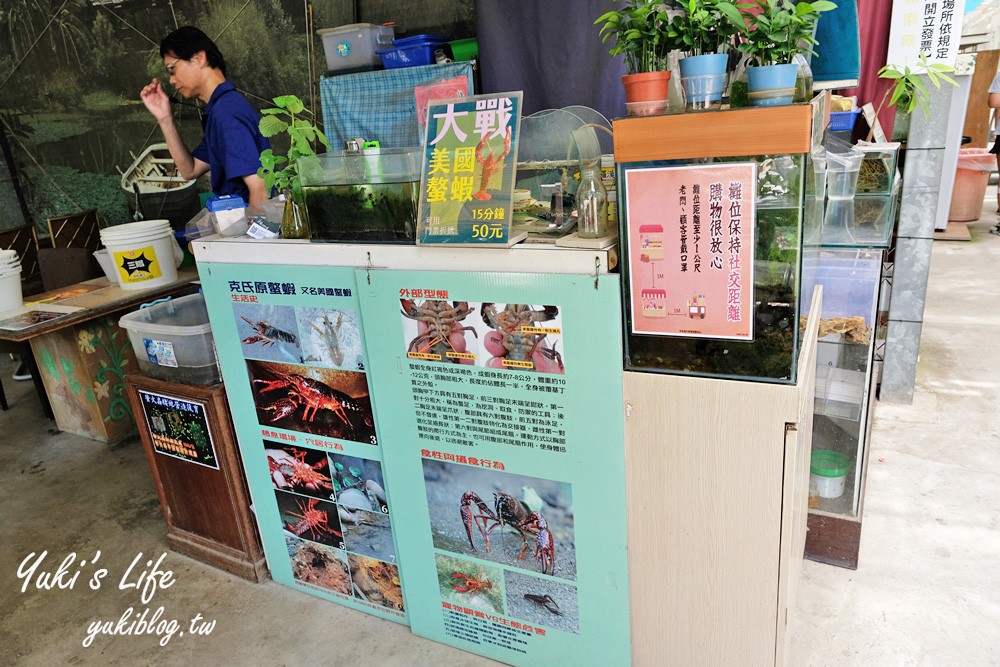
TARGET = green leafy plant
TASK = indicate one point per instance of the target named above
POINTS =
(908, 90)
(639, 29)
(781, 29)
(290, 117)
(705, 25)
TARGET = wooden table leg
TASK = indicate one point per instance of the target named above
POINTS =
(29, 358)
(83, 369)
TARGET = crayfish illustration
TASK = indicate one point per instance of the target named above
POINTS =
(509, 512)
(469, 584)
(311, 520)
(439, 327)
(297, 473)
(309, 394)
(267, 333)
(510, 341)
(490, 164)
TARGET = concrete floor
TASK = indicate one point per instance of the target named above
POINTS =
(925, 592)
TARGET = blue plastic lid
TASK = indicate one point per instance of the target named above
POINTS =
(224, 203)
(419, 40)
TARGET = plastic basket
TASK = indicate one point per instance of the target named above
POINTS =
(843, 120)
(412, 51)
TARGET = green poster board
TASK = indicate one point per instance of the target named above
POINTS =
(292, 349)
(505, 458)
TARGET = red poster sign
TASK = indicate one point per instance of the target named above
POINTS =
(690, 247)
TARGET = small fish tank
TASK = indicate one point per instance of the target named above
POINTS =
(362, 196)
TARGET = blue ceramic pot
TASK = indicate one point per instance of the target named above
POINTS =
(771, 77)
(703, 77)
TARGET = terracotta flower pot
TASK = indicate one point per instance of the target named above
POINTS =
(646, 86)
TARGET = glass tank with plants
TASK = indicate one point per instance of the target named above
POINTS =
(770, 355)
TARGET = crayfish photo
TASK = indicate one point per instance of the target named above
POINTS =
(514, 520)
(470, 584)
(322, 401)
(310, 519)
(268, 332)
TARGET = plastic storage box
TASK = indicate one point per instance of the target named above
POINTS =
(412, 51)
(173, 341)
(351, 48)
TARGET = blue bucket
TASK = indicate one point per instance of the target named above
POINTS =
(703, 77)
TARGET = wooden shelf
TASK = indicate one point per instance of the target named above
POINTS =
(733, 133)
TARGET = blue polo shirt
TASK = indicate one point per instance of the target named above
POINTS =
(231, 144)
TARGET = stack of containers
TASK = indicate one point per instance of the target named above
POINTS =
(145, 254)
(10, 281)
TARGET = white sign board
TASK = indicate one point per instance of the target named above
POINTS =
(931, 27)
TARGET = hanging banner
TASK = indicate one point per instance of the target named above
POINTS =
(467, 180)
(931, 27)
(505, 454)
(291, 345)
(690, 242)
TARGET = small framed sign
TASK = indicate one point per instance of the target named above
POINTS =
(178, 427)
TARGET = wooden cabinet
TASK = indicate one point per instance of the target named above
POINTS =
(717, 452)
(191, 448)
(717, 477)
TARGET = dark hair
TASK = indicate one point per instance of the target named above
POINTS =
(187, 41)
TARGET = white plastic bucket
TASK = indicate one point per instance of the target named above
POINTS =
(142, 253)
(107, 265)
(10, 291)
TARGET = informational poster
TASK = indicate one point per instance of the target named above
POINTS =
(931, 27)
(178, 427)
(467, 180)
(690, 246)
(291, 344)
(505, 456)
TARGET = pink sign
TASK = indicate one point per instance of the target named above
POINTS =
(690, 248)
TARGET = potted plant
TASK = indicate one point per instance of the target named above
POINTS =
(639, 29)
(777, 31)
(700, 30)
(289, 116)
(908, 91)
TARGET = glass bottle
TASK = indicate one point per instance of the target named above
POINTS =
(804, 80)
(591, 204)
(739, 90)
(293, 221)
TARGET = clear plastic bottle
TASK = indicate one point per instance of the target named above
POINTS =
(591, 204)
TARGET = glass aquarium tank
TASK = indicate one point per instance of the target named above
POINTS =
(697, 245)
(363, 196)
(851, 279)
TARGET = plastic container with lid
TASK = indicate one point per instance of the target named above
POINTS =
(412, 51)
(351, 48)
(172, 340)
(828, 469)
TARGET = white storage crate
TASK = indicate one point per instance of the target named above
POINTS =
(351, 48)
(173, 341)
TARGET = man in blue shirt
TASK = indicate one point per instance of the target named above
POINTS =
(232, 144)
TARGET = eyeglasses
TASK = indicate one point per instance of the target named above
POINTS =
(171, 66)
